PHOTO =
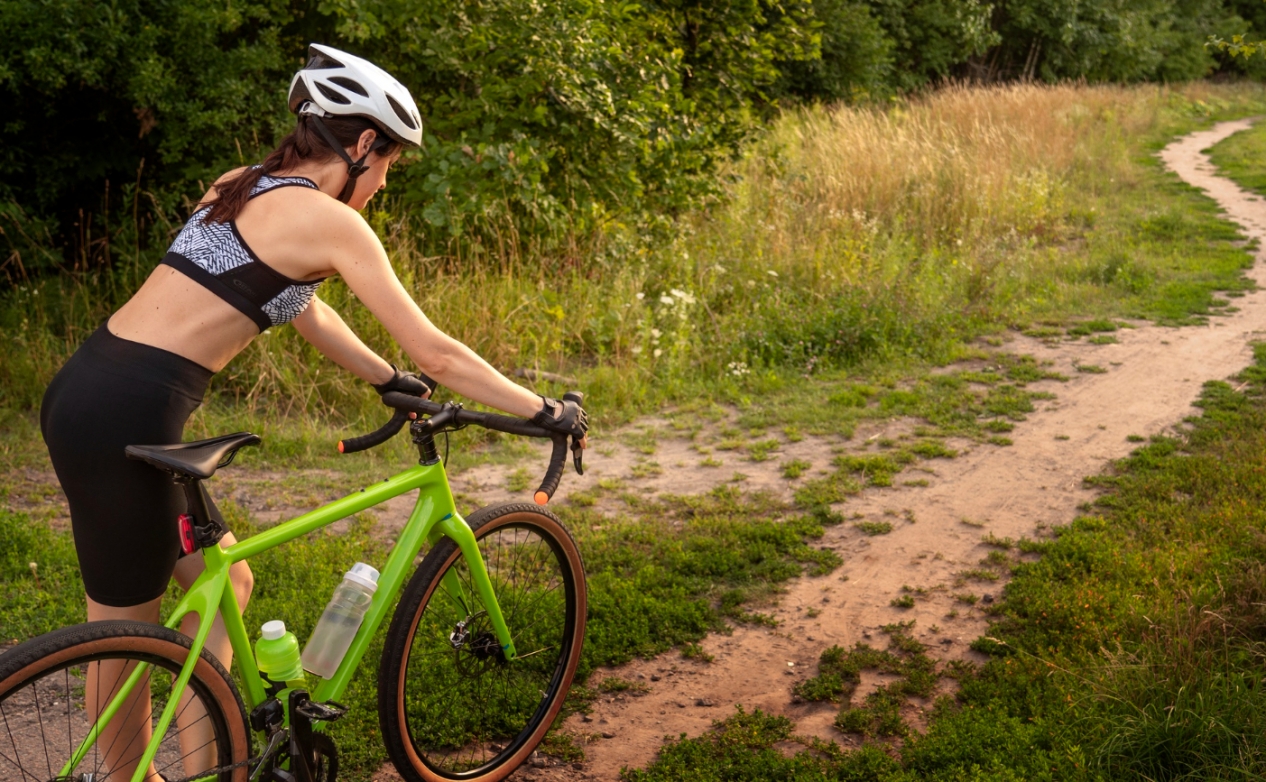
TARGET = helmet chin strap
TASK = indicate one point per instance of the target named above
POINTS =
(354, 167)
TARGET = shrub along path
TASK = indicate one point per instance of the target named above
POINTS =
(946, 555)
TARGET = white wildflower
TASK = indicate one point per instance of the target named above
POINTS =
(686, 298)
(772, 273)
(718, 268)
(656, 333)
(669, 300)
(640, 295)
(635, 349)
(658, 353)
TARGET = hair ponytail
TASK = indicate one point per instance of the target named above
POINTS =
(303, 144)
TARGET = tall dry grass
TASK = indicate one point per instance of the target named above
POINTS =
(957, 198)
(846, 234)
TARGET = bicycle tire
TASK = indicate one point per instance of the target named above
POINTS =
(53, 670)
(430, 741)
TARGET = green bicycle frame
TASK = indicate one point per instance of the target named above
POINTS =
(434, 516)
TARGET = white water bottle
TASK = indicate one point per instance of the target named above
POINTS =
(340, 621)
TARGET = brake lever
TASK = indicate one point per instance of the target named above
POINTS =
(577, 455)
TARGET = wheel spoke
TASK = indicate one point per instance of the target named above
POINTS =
(70, 734)
(16, 752)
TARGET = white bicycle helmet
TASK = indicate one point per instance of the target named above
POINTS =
(342, 84)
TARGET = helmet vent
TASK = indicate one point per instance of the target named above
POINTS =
(332, 95)
(320, 61)
(402, 114)
(349, 85)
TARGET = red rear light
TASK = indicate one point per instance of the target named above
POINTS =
(187, 544)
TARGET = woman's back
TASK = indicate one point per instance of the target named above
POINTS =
(224, 282)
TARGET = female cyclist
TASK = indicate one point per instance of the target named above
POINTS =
(251, 257)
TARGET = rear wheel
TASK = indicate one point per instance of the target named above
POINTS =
(452, 706)
(52, 687)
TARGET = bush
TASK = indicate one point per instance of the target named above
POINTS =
(99, 99)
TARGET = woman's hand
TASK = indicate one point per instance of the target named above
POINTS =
(408, 383)
(564, 416)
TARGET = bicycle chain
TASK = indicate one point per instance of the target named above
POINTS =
(216, 771)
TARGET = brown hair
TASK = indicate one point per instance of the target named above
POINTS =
(304, 143)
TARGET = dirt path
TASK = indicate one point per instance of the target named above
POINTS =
(1154, 374)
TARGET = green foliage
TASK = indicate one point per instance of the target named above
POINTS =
(872, 528)
(1123, 41)
(546, 124)
(539, 118)
(543, 122)
(933, 39)
(156, 93)
(856, 61)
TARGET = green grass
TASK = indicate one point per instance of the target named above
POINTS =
(874, 527)
(795, 468)
(1240, 158)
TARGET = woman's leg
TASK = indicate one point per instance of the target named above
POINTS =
(123, 741)
(197, 745)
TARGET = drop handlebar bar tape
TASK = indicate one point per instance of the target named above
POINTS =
(557, 463)
(377, 437)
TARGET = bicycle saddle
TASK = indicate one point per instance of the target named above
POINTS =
(199, 459)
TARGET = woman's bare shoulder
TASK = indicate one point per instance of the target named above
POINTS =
(211, 195)
(324, 222)
(229, 176)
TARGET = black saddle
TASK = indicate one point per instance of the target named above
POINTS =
(198, 459)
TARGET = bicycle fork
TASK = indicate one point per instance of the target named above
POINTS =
(461, 534)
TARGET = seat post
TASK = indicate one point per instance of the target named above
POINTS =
(207, 528)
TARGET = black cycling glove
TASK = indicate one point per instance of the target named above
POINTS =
(407, 383)
(563, 416)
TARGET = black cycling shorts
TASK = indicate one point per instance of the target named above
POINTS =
(113, 393)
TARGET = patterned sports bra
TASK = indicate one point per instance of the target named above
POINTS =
(217, 257)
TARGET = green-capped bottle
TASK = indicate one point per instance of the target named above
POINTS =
(277, 655)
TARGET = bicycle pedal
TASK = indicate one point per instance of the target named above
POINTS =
(322, 712)
(267, 715)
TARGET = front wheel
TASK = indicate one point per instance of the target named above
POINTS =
(452, 707)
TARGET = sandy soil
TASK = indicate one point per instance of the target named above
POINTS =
(1154, 374)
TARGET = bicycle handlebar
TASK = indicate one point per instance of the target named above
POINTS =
(377, 437)
(450, 414)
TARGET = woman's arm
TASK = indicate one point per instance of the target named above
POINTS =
(322, 326)
(358, 256)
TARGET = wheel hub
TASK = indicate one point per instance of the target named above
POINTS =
(476, 646)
